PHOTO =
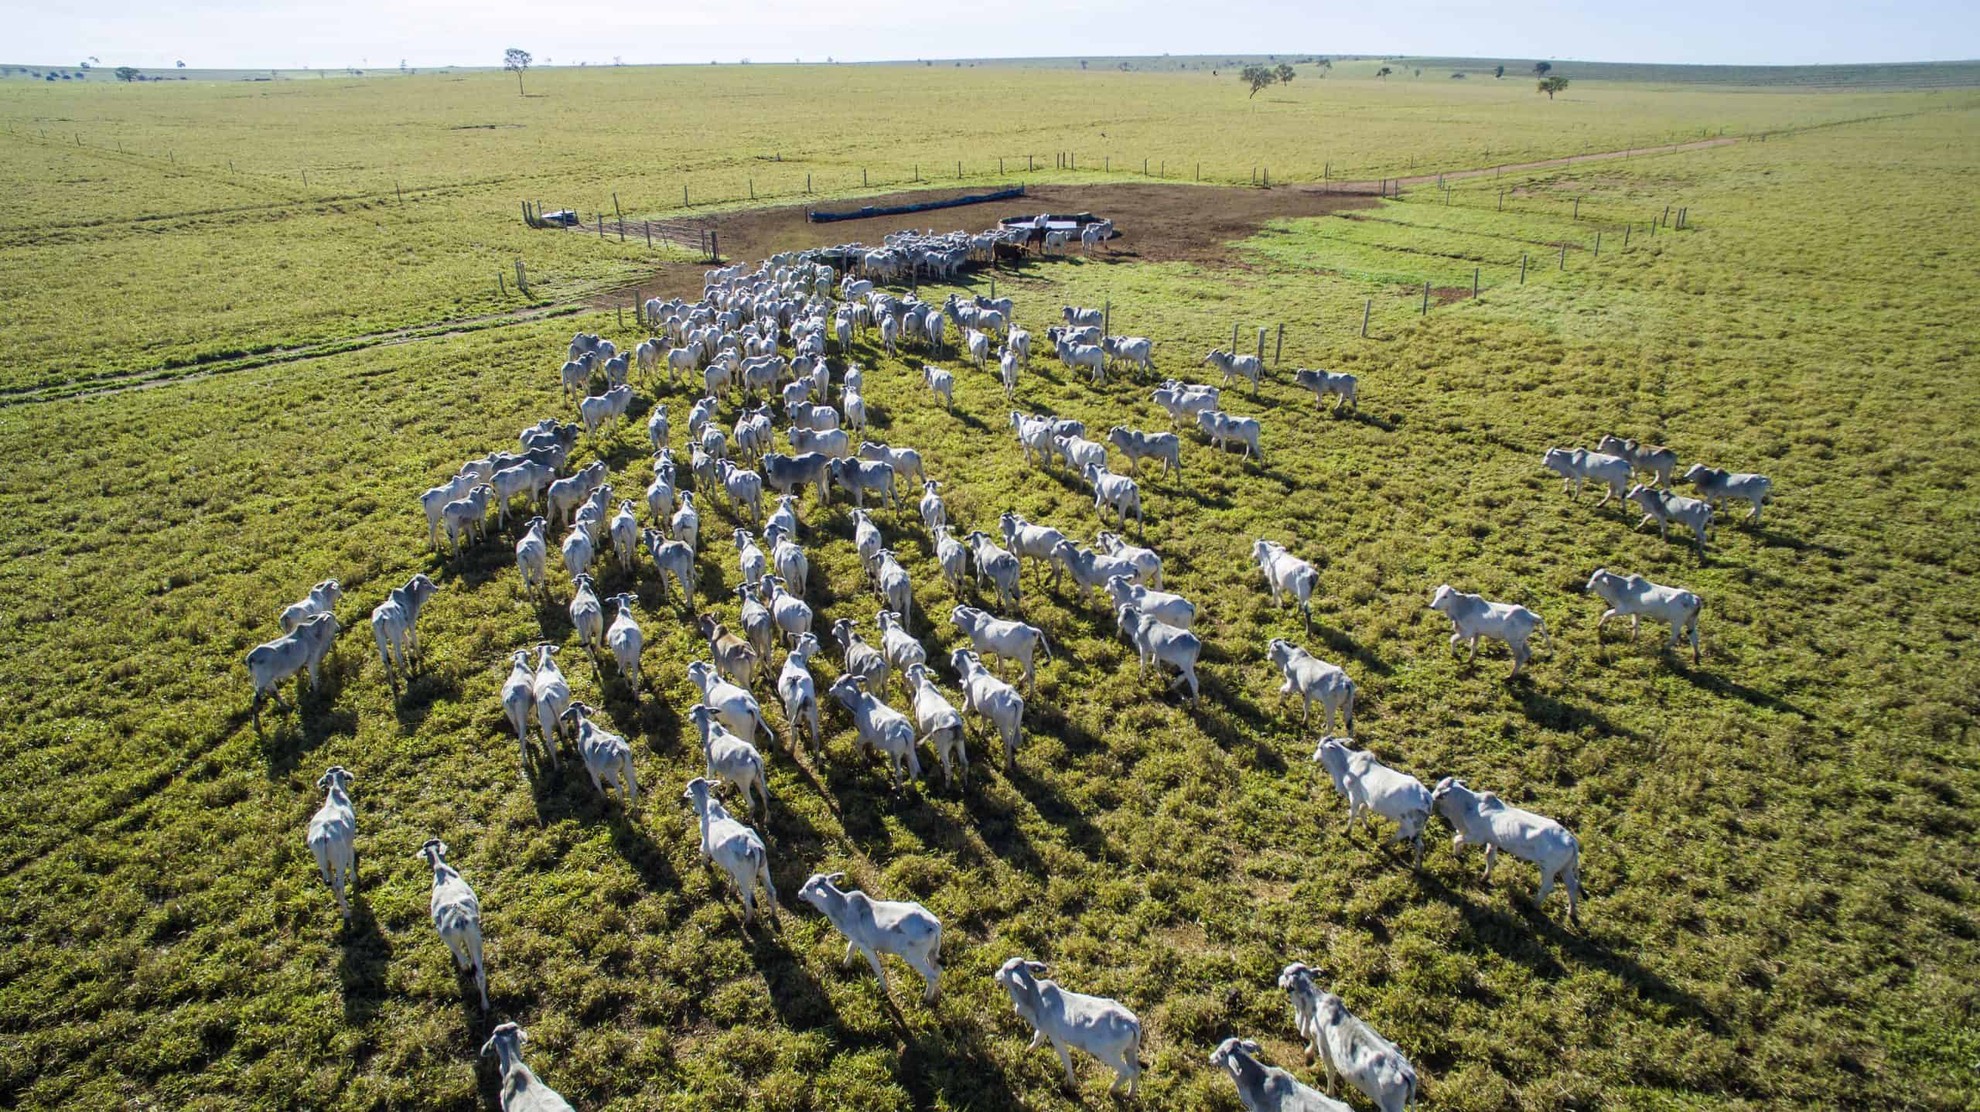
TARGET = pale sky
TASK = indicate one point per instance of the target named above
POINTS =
(244, 34)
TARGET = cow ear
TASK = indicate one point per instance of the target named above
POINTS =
(1035, 966)
(1249, 1046)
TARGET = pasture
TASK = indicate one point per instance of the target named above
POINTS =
(1778, 843)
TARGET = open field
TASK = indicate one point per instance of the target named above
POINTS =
(1779, 843)
(176, 222)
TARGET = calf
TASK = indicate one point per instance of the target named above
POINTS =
(519, 698)
(799, 692)
(1654, 458)
(997, 566)
(996, 701)
(533, 555)
(322, 599)
(1482, 818)
(1633, 596)
(1035, 542)
(1579, 465)
(1473, 618)
(1147, 565)
(587, 614)
(1116, 492)
(1316, 681)
(1165, 447)
(1369, 785)
(733, 655)
(1071, 1020)
(733, 846)
(1337, 383)
(1718, 485)
(626, 641)
(731, 759)
(953, 558)
(1178, 648)
(1008, 640)
(522, 1090)
(1286, 574)
(333, 835)
(1663, 507)
(1248, 366)
(936, 720)
(553, 697)
(880, 727)
(860, 658)
(1263, 1088)
(395, 623)
(934, 514)
(792, 616)
(875, 927)
(675, 558)
(1222, 428)
(1170, 610)
(859, 477)
(606, 756)
(1089, 569)
(275, 661)
(942, 383)
(1346, 1045)
(456, 914)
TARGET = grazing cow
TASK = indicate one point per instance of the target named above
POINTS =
(786, 474)
(1337, 383)
(1137, 351)
(875, 927)
(1663, 507)
(394, 624)
(1147, 565)
(941, 382)
(1316, 681)
(1482, 818)
(1263, 1088)
(1633, 596)
(1286, 574)
(1007, 640)
(1095, 1024)
(1037, 542)
(1369, 785)
(1346, 1045)
(333, 835)
(435, 500)
(1473, 618)
(1578, 465)
(1718, 485)
(456, 914)
(906, 462)
(733, 846)
(1180, 400)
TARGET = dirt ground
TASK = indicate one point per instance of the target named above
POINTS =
(1156, 222)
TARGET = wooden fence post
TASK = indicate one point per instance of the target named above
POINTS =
(1474, 281)
(616, 214)
(1107, 318)
(1279, 347)
(522, 278)
(1626, 229)
(1426, 297)
(714, 246)
(862, 177)
(639, 309)
(648, 225)
(1564, 254)
(399, 188)
(1598, 245)
(1577, 208)
(1261, 344)
(1234, 329)
(752, 189)
(501, 286)
(1522, 268)
(684, 200)
(1367, 307)
(1502, 200)
(601, 225)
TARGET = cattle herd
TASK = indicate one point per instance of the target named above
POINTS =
(763, 340)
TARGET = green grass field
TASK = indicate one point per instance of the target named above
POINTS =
(171, 225)
(1778, 844)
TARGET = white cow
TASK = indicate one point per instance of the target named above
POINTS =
(1263, 1088)
(875, 927)
(1371, 786)
(1718, 485)
(1579, 465)
(733, 846)
(1346, 1045)
(1473, 618)
(456, 914)
(1314, 680)
(1095, 1024)
(333, 835)
(1286, 574)
(1633, 596)
(522, 1090)
(1482, 818)
(606, 756)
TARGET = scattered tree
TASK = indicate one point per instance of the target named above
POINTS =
(182, 63)
(1552, 85)
(517, 59)
(1284, 73)
(1541, 68)
(1498, 71)
(127, 73)
(1258, 77)
(1384, 72)
(85, 65)
(1458, 76)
